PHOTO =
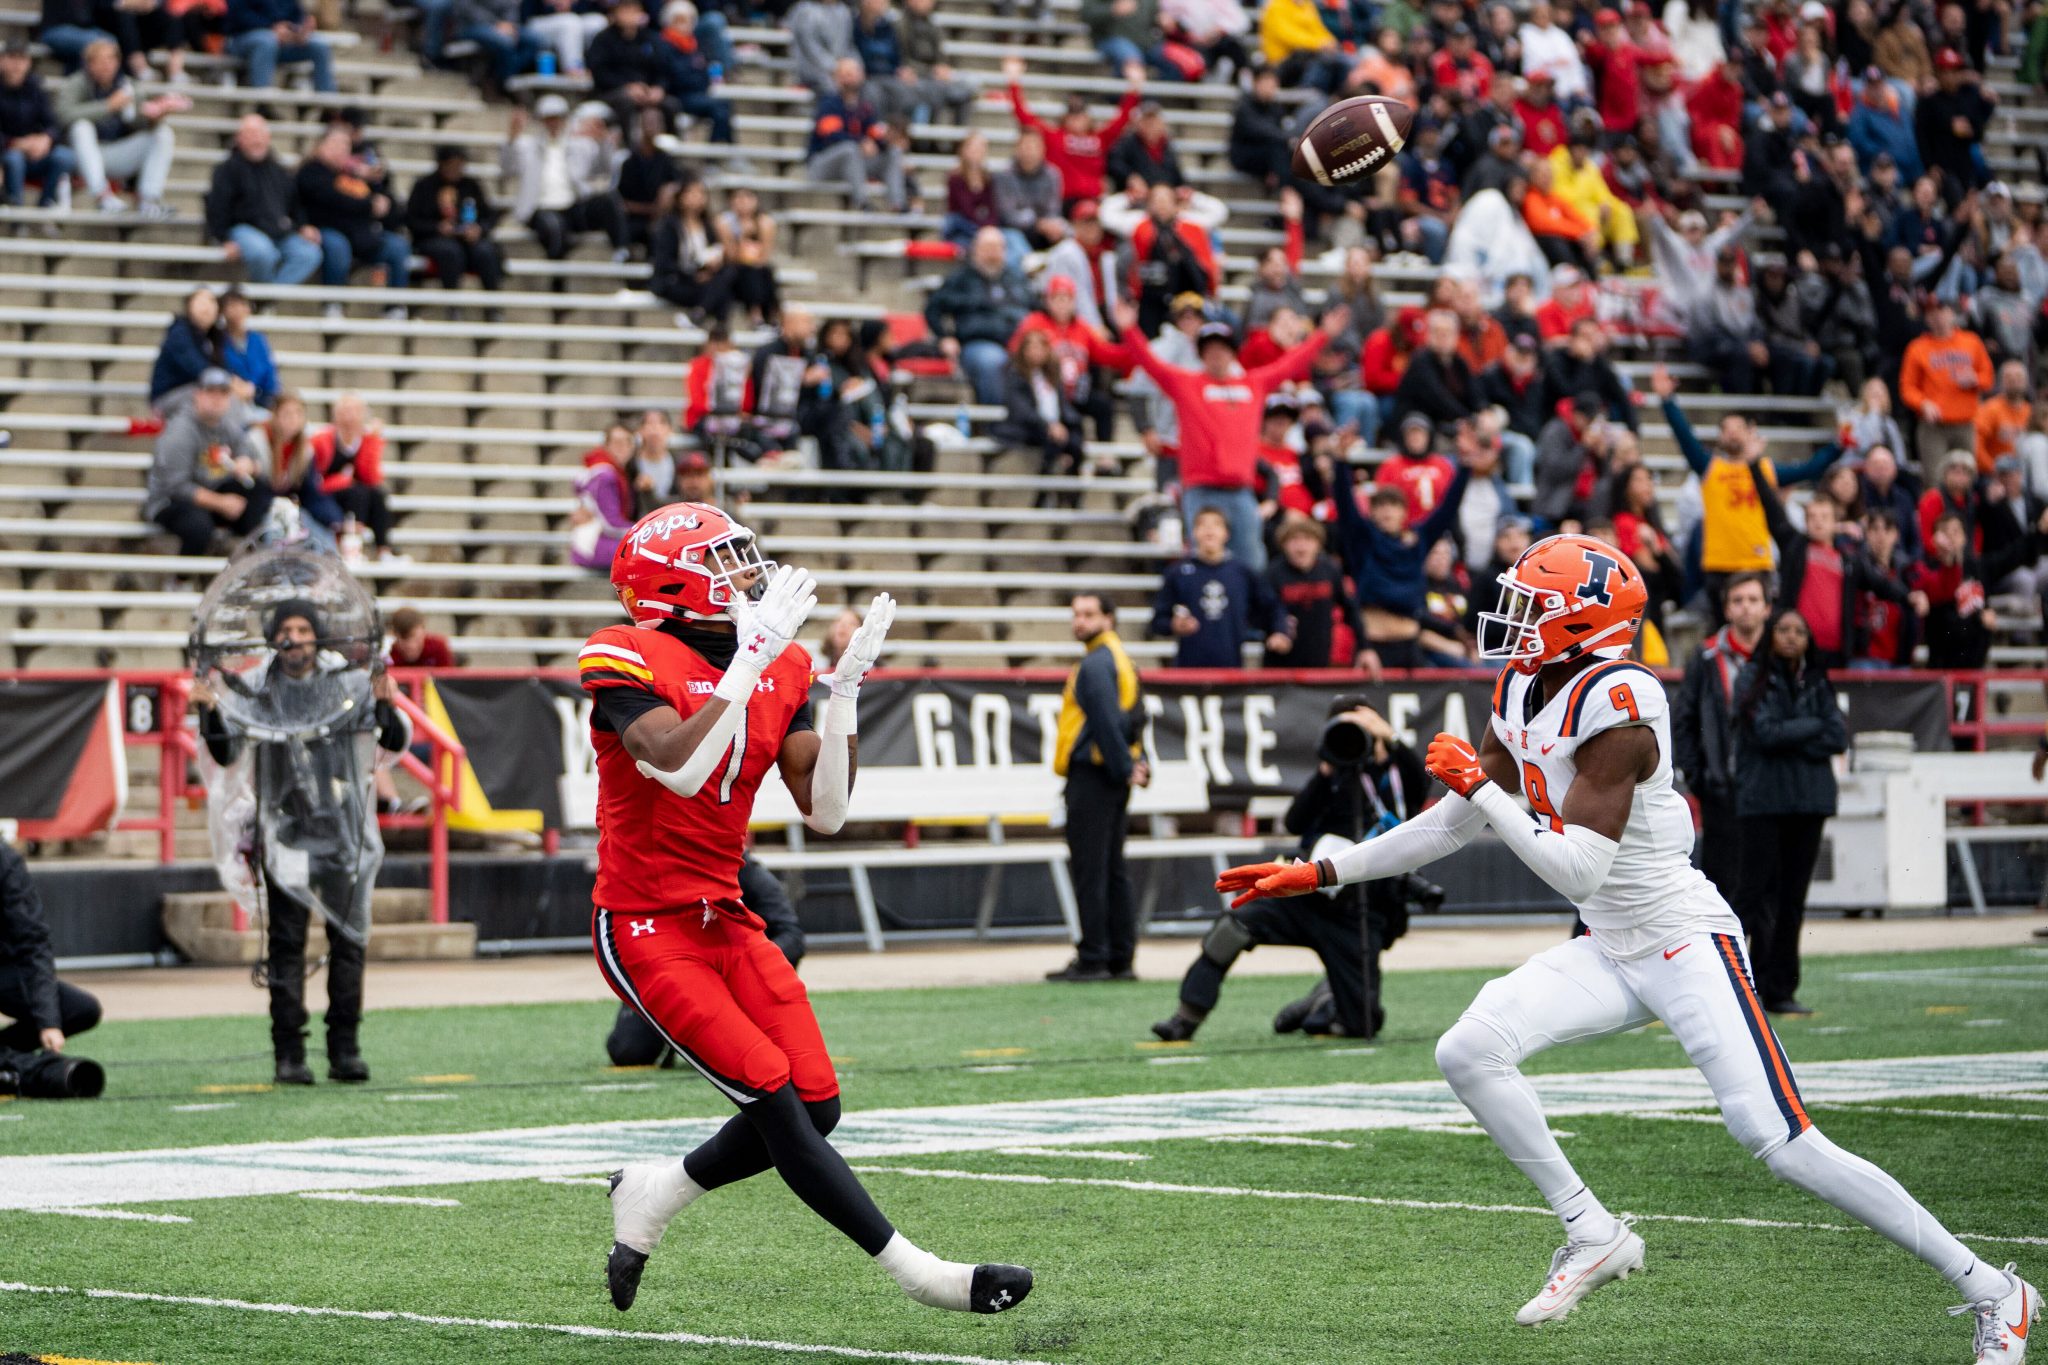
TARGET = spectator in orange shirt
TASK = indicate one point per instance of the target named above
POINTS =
(1941, 379)
(1563, 236)
(2004, 417)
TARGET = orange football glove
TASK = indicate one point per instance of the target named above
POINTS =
(1263, 881)
(1455, 763)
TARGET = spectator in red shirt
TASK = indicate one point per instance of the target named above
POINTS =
(1885, 630)
(1220, 407)
(1075, 145)
(412, 646)
(1639, 534)
(1460, 68)
(349, 454)
(1387, 351)
(1571, 298)
(1957, 494)
(1538, 116)
(1280, 487)
(1086, 358)
(1715, 105)
(1613, 59)
(1415, 471)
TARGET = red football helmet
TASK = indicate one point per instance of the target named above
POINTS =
(1566, 596)
(682, 560)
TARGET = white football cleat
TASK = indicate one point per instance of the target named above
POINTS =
(644, 1198)
(2002, 1325)
(1578, 1269)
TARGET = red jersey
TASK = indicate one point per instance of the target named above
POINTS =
(1287, 489)
(657, 851)
(1423, 481)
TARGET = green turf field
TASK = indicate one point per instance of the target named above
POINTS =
(1400, 1238)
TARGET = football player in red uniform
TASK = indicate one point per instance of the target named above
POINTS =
(692, 704)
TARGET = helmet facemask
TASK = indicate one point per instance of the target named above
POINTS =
(724, 562)
(1513, 633)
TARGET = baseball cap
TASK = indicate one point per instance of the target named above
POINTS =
(1565, 276)
(1607, 16)
(551, 106)
(2008, 464)
(1280, 402)
(1948, 59)
(1781, 100)
(1522, 341)
(1314, 428)
(214, 377)
(1813, 9)
(1189, 302)
(1962, 458)
(1059, 287)
(1216, 331)
(692, 460)
(1998, 189)
(1416, 419)
(1085, 211)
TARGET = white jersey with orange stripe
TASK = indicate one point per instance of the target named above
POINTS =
(1652, 892)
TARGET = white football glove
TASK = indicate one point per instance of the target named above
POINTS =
(864, 648)
(766, 627)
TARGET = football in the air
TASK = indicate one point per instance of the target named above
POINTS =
(1352, 139)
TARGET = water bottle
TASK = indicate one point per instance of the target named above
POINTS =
(963, 422)
(545, 64)
(469, 213)
(350, 542)
(877, 427)
(717, 74)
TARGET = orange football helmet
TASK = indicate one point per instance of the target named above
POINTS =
(1566, 596)
(682, 561)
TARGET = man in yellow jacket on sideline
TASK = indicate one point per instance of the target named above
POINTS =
(1577, 180)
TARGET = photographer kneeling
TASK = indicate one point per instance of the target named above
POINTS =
(45, 1012)
(1366, 781)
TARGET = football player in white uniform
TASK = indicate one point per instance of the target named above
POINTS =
(1585, 736)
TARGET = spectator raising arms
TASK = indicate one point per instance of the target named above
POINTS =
(1076, 146)
(1220, 407)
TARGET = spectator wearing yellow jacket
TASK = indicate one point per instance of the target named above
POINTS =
(1577, 179)
(1299, 45)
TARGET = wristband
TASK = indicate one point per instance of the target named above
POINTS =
(1326, 874)
(737, 683)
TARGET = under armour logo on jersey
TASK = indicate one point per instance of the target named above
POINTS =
(641, 926)
(1599, 569)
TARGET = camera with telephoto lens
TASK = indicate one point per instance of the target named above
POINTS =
(50, 1076)
(1344, 743)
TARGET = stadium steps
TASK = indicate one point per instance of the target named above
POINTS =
(200, 924)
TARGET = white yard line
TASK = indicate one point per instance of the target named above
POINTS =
(1276, 1140)
(351, 1197)
(511, 1325)
(1073, 1153)
(118, 1215)
(1930, 1113)
(204, 1108)
(1323, 1197)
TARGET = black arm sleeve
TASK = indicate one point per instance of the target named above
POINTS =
(394, 730)
(616, 708)
(221, 742)
(25, 939)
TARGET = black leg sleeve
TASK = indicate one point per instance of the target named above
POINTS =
(783, 1131)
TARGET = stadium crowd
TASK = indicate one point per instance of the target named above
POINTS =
(1371, 464)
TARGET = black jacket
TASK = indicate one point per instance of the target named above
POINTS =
(25, 110)
(338, 201)
(1258, 137)
(1132, 156)
(1022, 424)
(1527, 407)
(25, 939)
(262, 194)
(1443, 391)
(616, 60)
(1703, 726)
(1859, 575)
(423, 215)
(1786, 730)
(2001, 529)
(1566, 376)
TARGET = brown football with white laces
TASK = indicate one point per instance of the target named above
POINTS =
(1353, 139)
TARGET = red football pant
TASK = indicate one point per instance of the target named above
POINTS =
(724, 997)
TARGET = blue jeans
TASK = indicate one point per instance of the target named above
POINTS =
(337, 258)
(52, 171)
(1357, 405)
(983, 363)
(289, 259)
(1518, 454)
(1121, 52)
(1435, 235)
(509, 56)
(68, 42)
(434, 28)
(260, 52)
(1241, 510)
(718, 112)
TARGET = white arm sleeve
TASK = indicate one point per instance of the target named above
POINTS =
(736, 688)
(832, 778)
(1438, 832)
(1574, 863)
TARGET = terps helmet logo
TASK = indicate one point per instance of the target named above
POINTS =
(664, 526)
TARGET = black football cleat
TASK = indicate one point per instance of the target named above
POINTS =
(622, 1269)
(349, 1068)
(293, 1071)
(1175, 1028)
(999, 1288)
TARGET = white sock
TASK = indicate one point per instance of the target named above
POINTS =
(687, 1191)
(1872, 1197)
(1480, 1066)
(931, 1281)
(667, 1191)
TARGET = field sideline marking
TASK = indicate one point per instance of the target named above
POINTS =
(351, 1197)
(117, 1215)
(512, 1325)
(1324, 1197)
